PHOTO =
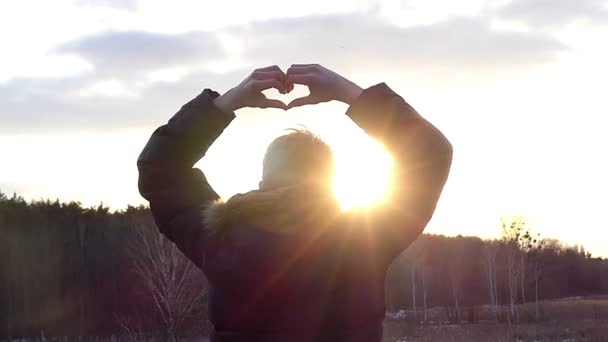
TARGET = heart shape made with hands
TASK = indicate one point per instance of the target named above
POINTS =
(297, 92)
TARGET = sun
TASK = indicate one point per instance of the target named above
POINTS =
(363, 172)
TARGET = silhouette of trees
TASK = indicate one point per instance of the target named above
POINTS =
(66, 270)
(464, 273)
(173, 283)
(490, 252)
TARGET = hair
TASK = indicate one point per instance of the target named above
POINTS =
(298, 157)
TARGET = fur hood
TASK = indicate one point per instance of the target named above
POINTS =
(281, 210)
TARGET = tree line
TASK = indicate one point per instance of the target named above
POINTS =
(66, 270)
(461, 274)
(73, 271)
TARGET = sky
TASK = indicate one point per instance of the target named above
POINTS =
(518, 87)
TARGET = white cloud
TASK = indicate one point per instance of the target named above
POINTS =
(137, 76)
(360, 41)
(88, 103)
(121, 54)
(109, 88)
(130, 5)
(555, 13)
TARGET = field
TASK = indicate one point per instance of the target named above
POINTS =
(571, 319)
(563, 320)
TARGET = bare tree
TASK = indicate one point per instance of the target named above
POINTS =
(535, 255)
(424, 293)
(174, 283)
(424, 275)
(455, 275)
(455, 281)
(412, 254)
(512, 231)
(413, 276)
(490, 252)
(418, 255)
(527, 244)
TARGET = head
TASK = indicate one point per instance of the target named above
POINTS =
(295, 158)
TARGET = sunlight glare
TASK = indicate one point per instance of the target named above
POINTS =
(363, 173)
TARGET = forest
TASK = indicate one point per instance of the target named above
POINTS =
(67, 270)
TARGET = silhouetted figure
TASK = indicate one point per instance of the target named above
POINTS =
(283, 262)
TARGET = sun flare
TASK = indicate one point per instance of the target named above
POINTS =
(363, 173)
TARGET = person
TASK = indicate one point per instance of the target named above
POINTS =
(283, 262)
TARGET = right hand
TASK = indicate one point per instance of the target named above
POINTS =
(324, 85)
(249, 92)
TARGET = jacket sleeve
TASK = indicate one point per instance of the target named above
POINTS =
(422, 158)
(177, 192)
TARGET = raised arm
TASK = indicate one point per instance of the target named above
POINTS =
(177, 192)
(422, 155)
(422, 158)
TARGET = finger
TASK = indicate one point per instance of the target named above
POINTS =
(287, 87)
(302, 101)
(270, 68)
(275, 75)
(306, 79)
(271, 103)
(304, 65)
(259, 85)
(264, 75)
(299, 70)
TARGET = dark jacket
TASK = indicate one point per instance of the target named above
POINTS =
(287, 264)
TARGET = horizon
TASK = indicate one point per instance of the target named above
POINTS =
(515, 85)
(147, 207)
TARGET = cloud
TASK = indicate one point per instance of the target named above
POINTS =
(120, 94)
(555, 13)
(130, 52)
(129, 5)
(356, 41)
(34, 105)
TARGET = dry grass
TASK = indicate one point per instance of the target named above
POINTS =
(571, 319)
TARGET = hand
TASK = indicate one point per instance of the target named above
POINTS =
(249, 92)
(324, 85)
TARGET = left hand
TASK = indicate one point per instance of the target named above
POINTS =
(324, 85)
(249, 92)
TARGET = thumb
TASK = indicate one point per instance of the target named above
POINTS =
(302, 101)
(271, 103)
